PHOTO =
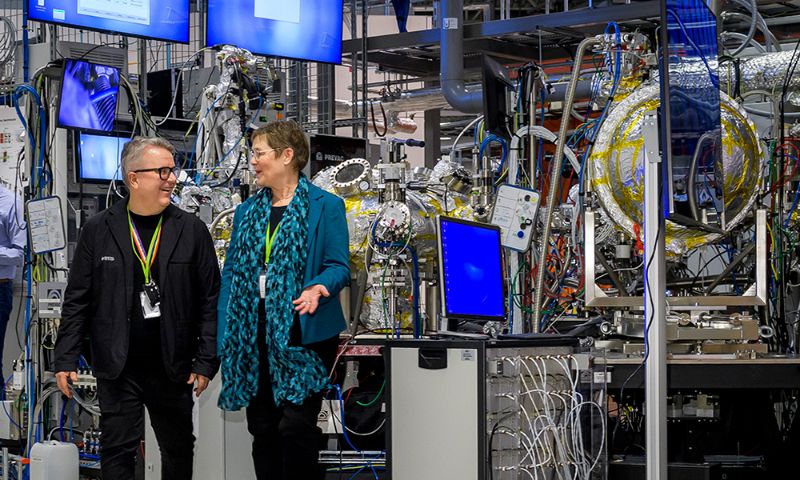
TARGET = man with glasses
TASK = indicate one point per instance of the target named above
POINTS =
(143, 286)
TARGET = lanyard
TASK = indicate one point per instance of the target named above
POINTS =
(268, 243)
(146, 260)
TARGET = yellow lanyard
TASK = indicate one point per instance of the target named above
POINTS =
(268, 243)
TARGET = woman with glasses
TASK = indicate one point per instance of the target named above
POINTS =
(279, 312)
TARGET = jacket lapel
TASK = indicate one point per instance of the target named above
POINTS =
(314, 213)
(170, 233)
(117, 222)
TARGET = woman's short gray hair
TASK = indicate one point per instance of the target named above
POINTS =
(132, 151)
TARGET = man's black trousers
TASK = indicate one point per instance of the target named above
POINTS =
(169, 404)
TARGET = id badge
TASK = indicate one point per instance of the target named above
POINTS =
(262, 285)
(149, 310)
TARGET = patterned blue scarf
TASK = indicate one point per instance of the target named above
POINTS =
(296, 371)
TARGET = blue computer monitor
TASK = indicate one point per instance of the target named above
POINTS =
(308, 30)
(470, 270)
(99, 157)
(89, 94)
(166, 20)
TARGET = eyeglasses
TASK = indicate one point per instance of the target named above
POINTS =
(163, 172)
(260, 153)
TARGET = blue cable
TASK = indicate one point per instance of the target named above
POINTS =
(16, 96)
(492, 138)
(711, 74)
(346, 437)
(415, 281)
(31, 381)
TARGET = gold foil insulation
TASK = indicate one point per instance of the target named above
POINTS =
(616, 167)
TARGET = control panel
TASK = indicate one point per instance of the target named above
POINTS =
(515, 213)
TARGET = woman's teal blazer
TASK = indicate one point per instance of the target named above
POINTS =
(328, 264)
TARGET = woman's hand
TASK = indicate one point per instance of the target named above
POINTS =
(309, 299)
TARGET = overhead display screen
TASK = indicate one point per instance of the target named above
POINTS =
(308, 30)
(160, 20)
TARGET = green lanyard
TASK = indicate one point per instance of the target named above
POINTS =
(145, 259)
(268, 242)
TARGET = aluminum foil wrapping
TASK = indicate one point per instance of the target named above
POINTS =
(233, 147)
(616, 167)
(193, 197)
(361, 209)
(232, 58)
(230, 55)
(764, 72)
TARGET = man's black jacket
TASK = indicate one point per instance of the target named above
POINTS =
(99, 294)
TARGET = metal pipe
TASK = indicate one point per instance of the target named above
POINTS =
(452, 60)
(220, 216)
(772, 43)
(558, 159)
(753, 6)
(745, 40)
(736, 261)
(354, 69)
(690, 186)
(612, 275)
(364, 65)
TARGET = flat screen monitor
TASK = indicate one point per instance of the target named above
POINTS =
(99, 157)
(471, 270)
(166, 20)
(692, 136)
(308, 30)
(496, 82)
(331, 150)
(89, 94)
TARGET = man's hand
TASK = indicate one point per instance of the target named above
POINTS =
(309, 299)
(201, 382)
(63, 379)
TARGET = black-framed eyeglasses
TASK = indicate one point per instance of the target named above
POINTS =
(163, 172)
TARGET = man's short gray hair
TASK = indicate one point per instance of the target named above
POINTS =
(133, 150)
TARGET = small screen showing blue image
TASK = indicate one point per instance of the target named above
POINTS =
(88, 96)
(308, 30)
(166, 20)
(471, 270)
(99, 157)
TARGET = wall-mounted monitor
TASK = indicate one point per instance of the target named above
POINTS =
(99, 157)
(308, 30)
(166, 20)
(89, 94)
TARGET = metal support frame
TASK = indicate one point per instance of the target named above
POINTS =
(573, 19)
(654, 305)
(754, 296)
